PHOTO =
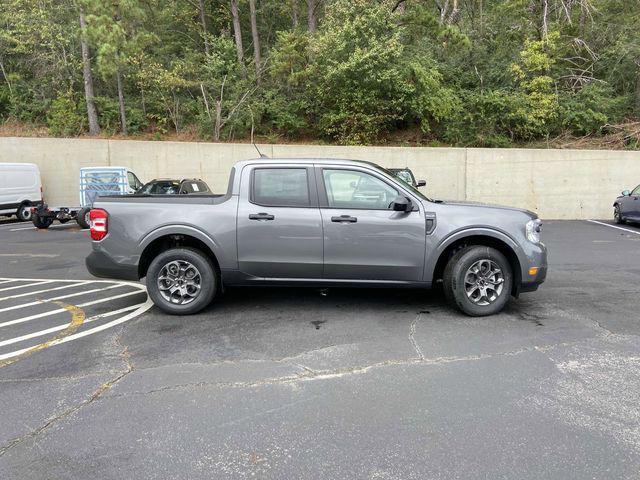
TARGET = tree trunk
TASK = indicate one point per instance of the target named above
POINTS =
(123, 115)
(545, 16)
(205, 30)
(92, 115)
(637, 92)
(311, 15)
(294, 13)
(443, 11)
(236, 30)
(453, 17)
(218, 126)
(256, 38)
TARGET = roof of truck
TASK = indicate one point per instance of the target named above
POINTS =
(332, 161)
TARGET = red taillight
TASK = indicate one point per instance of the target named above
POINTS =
(98, 223)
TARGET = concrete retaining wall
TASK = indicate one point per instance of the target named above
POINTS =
(557, 184)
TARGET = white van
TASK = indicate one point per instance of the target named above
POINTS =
(20, 189)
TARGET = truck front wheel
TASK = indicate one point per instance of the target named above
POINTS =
(181, 281)
(478, 280)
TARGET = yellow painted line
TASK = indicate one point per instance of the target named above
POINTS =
(77, 318)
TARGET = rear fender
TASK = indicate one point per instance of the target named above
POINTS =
(181, 230)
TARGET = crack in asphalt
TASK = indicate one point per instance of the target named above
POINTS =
(412, 332)
(70, 411)
(309, 374)
(55, 378)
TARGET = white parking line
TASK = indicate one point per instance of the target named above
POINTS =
(41, 282)
(65, 325)
(62, 297)
(143, 308)
(13, 224)
(614, 226)
(60, 310)
(6, 281)
(45, 290)
(30, 255)
(23, 228)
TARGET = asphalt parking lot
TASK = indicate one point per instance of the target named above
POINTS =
(305, 384)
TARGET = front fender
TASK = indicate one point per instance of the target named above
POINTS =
(441, 247)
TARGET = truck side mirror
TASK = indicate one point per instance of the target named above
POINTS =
(626, 193)
(401, 204)
(421, 183)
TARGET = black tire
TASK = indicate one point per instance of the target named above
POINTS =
(42, 223)
(208, 280)
(454, 280)
(617, 216)
(24, 212)
(83, 217)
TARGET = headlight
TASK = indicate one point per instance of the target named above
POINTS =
(534, 227)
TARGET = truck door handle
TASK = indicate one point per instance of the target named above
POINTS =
(261, 216)
(344, 218)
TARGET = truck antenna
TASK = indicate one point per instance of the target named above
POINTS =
(262, 155)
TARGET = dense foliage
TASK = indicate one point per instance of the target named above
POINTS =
(461, 72)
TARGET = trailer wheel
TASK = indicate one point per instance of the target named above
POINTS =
(42, 223)
(83, 217)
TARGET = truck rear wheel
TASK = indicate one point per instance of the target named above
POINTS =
(478, 280)
(182, 281)
(83, 217)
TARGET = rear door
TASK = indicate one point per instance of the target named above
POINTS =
(279, 223)
(633, 203)
(363, 238)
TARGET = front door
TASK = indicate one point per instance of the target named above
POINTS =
(633, 203)
(279, 228)
(363, 238)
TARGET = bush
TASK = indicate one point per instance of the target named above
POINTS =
(587, 110)
(65, 117)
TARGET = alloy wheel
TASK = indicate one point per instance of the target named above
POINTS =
(179, 282)
(484, 282)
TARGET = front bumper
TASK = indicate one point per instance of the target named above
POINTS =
(536, 257)
(102, 265)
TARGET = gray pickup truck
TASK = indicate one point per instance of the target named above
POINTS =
(315, 222)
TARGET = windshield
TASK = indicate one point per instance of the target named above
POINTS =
(167, 187)
(405, 176)
(414, 190)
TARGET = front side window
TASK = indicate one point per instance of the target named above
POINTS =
(133, 184)
(636, 191)
(283, 187)
(354, 189)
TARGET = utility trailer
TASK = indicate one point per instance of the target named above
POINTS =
(94, 182)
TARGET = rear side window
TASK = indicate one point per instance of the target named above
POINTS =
(283, 187)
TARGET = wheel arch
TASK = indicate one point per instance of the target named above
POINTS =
(164, 240)
(490, 238)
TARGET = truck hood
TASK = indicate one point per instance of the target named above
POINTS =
(488, 206)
